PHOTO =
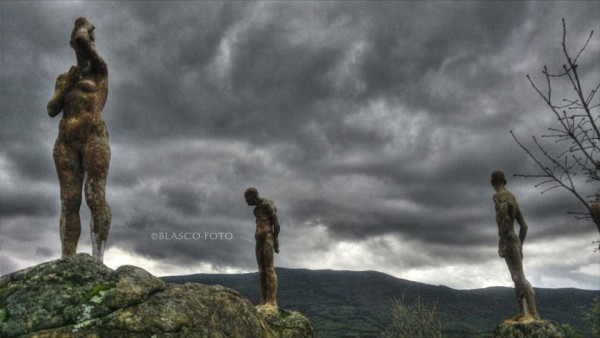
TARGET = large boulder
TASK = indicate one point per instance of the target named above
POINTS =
(80, 297)
(533, 329)
(286, 324)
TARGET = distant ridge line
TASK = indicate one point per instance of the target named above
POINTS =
(357, 303)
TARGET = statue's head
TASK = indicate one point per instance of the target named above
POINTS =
(84, 26)
(498, 178)
(251, 196)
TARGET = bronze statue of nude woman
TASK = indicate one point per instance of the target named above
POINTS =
(81, 151)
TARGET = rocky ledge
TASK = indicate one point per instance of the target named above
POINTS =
(533, 329)
(81, 297)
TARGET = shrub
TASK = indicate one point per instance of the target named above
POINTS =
(414, 320)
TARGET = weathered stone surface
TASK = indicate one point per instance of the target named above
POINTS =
(64, 292)
(80, 297)
(267, 242)
(81, 151)
(510, 246)
(536, 329)
(286, 324)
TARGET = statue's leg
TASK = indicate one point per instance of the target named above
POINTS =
(515, 267)
(271, 276)
(523, 289)
(530, 297)
(70, 176)
(258, 249)
(526, 297)
(96, 159)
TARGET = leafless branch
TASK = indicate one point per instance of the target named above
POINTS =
(577, 132)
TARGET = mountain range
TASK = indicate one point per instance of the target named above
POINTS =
(358, 303)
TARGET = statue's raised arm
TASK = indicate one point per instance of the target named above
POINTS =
(89, 64)
(83, 40)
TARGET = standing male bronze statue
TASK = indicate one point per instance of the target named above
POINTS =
(267, 230)
(81, 151)
(510, 246)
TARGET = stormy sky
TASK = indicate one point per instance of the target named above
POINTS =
(373, 126)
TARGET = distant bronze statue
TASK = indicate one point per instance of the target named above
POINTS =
(267, 230)
(81, 151)
(510, 246)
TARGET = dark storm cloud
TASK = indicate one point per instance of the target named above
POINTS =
(136, 236)
(369, 123)
(23, 203)
(31, 161)
(181, 197)
(168, 220)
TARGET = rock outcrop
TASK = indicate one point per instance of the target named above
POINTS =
(80, 297)
(534, 329)
(287, 324)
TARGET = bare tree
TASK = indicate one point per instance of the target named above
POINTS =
(575, 166)
(414, 320)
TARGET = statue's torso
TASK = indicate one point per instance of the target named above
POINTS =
(264, 212)
(506, 205)
(82, 112)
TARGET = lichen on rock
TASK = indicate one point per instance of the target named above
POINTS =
(533, 329)
(286, 324)
(80, 297)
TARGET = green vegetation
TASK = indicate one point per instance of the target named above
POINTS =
(569, 331)
(357, 304)
(593, 317)
(99, 288)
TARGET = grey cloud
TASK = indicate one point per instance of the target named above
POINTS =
(181, 197)
(28, 203)
(361, 120)
(31, 160)
(46, 252)
(7, 264)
